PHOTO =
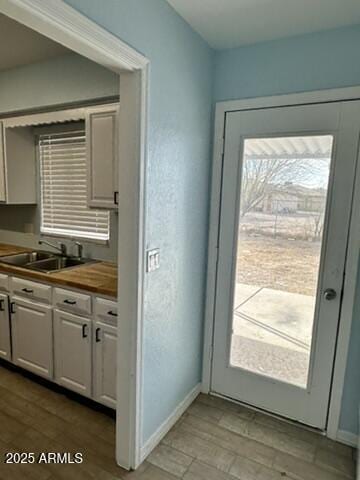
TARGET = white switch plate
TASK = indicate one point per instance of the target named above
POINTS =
(152, 259)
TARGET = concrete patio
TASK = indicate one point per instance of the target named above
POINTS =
(272, 332)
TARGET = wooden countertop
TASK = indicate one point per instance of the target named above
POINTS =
(99, 277)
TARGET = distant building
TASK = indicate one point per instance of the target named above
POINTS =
(290, 198)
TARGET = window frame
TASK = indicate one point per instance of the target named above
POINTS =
(53, 129)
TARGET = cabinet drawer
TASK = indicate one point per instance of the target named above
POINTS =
(32, 290)
(106, 310)
(4, 282)
(72, 301)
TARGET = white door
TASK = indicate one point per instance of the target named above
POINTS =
(72, 351)
(105, 364)
(32, 336)
(5, 344)
(287, 183)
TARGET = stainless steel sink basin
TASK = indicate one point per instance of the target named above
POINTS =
(22, 259)
(46, 262)
(58, 263)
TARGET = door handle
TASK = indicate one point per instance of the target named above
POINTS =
(116, 198)
(84, 327)
(2, 305)
(329, 294)
(27, 290)
(70, 302)
(97, 335)
(12, 307)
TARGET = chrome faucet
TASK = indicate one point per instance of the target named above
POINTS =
(80, 249)
(61, 248)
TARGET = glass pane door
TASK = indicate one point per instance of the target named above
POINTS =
(283, 196)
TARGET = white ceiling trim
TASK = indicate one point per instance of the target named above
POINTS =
(72, 28)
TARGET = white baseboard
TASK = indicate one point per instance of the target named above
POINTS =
(348, 438)
(160, 433)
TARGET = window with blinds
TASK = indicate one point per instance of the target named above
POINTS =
(64, 209)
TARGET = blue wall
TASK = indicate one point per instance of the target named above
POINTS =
(177, 190)
(311, 62)
(177, 193)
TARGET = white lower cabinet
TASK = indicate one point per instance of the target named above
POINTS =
(74, 345)
(32, 336)
(105, 340)
(5, 342)
(72, 352)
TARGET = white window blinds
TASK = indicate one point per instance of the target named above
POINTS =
(64, 209)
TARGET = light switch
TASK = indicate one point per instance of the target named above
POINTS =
(152, 259)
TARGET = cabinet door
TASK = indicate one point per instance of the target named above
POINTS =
(2, 165)
(105, 364)
(102, 156)
(5, 344)
(32, 335)
(72, 337)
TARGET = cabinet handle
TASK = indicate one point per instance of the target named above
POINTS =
(116, 198)
(2, 305)
(84, 334)
(12, 307)
(27, 290)
(113, 314)
(97, 335)
(70, 302)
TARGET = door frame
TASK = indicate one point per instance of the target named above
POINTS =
(349, 294)
(65, 25)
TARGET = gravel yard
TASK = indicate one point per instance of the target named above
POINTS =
(278, 263)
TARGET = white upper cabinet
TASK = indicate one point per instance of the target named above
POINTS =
(17, 165)
(102, 126)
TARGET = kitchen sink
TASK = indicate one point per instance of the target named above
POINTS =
(45, 262)
(58, 263)
(22, 259)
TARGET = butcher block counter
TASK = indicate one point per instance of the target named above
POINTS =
(99, 277)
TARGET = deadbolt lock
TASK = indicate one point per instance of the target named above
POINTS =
(329, 294)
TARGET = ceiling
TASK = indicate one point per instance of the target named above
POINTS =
(233, 23)
(20, 45)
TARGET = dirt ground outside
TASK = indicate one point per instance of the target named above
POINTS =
(279, 263)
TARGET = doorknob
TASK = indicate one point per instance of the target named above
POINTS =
(329, 294)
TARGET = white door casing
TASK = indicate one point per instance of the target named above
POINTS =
(63, 24)
(295, 120)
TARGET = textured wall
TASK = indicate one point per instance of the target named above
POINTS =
(177, 193)
(310, 62)
(65, 79)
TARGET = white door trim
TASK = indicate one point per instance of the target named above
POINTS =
(63, 24)
(323, 96)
